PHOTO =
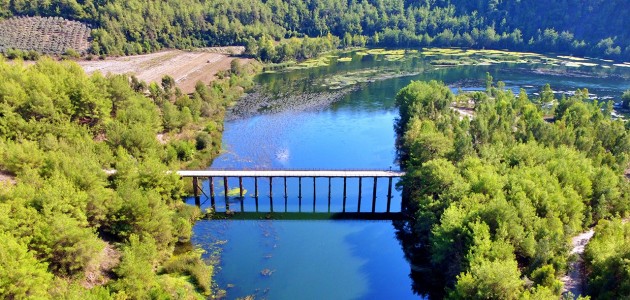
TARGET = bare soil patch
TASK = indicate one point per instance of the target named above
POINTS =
(464, 111)
(6, 177)
(100, 269)
(186, 67)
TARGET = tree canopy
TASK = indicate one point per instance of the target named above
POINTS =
(64, 216)
(497, 197)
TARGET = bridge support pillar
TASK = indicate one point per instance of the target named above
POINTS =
(329, 179)
(374, 196)
(240, 186)
(212, 193)
(300, 193)
(344, 194)
(360, 187)
(271, 194)
(256, 187)
(389, 195)
(314, 192)
(196, 191)
(226, 189)
(256, 192)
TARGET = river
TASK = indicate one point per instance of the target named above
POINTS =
(344, 119)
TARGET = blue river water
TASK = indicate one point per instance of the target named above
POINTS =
(333, 259)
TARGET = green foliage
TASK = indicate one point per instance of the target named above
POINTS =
(606, 257)
(71, 53)
(498, 196)
(139, 257)
(22, 276)
(267, 28)
(12, 53)
(59, 131)
(625, 99)
(191, 265)
(203, 141)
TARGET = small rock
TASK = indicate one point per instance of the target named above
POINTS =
(266, 272)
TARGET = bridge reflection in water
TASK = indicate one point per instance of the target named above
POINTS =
(297, 194)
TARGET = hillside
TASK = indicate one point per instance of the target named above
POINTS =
(49, 35)
(594, 27)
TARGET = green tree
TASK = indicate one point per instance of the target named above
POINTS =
(625, 99)
(22, 276)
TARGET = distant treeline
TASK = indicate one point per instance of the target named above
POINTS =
(595, 28)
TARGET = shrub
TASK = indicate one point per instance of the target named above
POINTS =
(21, 275)
(191, 264)
(203, 141)
(71, 53)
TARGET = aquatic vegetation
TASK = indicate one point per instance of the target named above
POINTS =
(394, 57)
(323, 61)
(345, 59)
(466, 57)
(259, 101)
(340, 81)
(235, 192)
(579, 64)
(572, 58)
(385, 52)
(376, 51)
(445, 62)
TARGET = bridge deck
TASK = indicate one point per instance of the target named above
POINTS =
(290, 173)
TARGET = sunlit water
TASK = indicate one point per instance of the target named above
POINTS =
(338, 259)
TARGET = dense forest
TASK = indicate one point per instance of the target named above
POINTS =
(498, 196)
(595, 28)
(71, 231)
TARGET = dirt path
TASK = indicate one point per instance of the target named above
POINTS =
(186, 67)
(99, 269)
(574, 280)
(464, 112)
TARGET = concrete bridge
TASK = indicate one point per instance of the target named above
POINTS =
(204, 185)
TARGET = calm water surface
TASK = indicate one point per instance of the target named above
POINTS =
(341, 259)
